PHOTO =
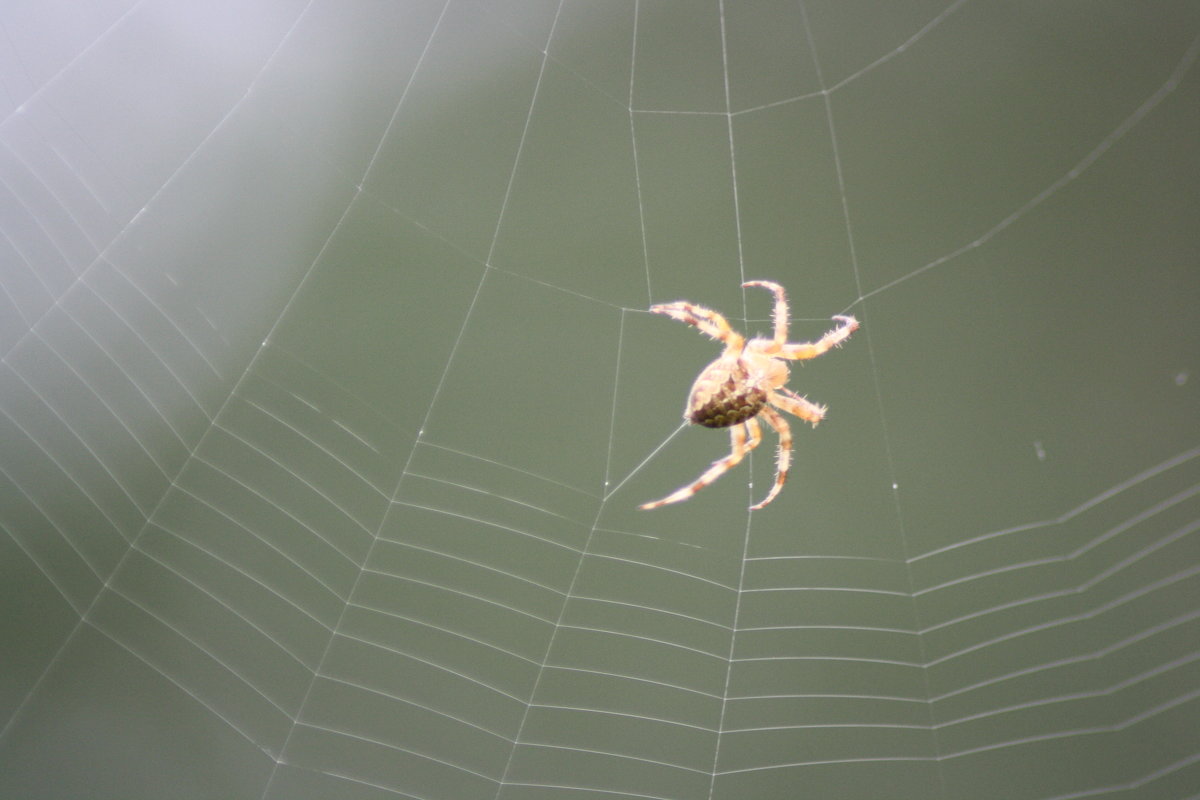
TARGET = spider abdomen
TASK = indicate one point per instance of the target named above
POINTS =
(724, 395)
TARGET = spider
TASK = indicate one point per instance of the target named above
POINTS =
(745, 382)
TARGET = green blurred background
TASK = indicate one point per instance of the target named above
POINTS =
(329, 395)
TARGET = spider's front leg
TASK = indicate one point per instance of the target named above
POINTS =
(707, 320)
(779, 315)
(783, 459)
(802, 350)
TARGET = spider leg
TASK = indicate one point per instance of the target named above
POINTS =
(796, 405)
(802, 350)
(738, 447)
(779, 315)
(707, 320)
(783, 457)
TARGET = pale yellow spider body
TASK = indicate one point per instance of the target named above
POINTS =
(747, 381)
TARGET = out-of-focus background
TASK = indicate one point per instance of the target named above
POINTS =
(329, 395)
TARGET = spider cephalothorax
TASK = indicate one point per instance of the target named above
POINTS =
(747, 381)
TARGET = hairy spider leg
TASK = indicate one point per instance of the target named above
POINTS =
(796, 405)
(738, 447)
(783, 458)
(779, 315)
(707, 320)
(802, 350)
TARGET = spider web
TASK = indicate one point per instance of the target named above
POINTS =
(328, 398)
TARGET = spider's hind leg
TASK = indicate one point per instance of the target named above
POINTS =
(783, 459)
(738, 447)
(798, 406)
